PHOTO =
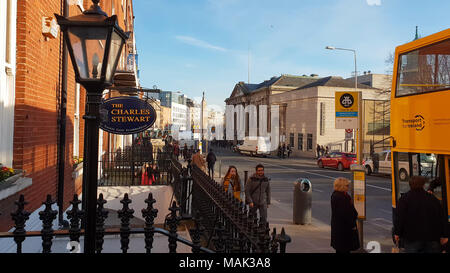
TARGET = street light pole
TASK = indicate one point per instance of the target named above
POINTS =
(92, 124)
(102, 41)
(359, 137)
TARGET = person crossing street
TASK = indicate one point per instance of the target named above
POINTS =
(211, 160)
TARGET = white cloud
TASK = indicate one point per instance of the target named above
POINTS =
(215, 107)
(373, 2)
(199, 43)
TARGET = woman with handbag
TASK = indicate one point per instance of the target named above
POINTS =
(344, 234)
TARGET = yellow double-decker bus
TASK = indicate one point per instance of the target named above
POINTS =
(420, 116)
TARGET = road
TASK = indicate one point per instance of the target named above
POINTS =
(314, 237)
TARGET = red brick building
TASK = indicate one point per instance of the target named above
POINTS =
(30, 101)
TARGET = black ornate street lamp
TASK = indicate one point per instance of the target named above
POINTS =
(95, 42)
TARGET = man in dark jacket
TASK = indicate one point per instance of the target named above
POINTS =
(420, 221)
(257, 193)
(211, 160)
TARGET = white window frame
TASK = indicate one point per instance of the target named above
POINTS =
(8, 17)
(76, 123)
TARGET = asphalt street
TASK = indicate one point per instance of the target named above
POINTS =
(283, 174)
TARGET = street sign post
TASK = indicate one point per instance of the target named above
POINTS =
(348, 134)
(359, 191)
(359, 197)
(347, 109)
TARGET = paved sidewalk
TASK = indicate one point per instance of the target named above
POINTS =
(311, 238)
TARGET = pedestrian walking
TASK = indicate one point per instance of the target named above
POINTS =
(185, 151)
(211, 160)
(344, 234)
(289, 151)
(280, 148)
(145, 179)
(176, 150)
(232, 182)
(326, 150)
(376, 162)
(283, 150)
(257, 193)
(199, 161)
(190, 152)
(420, 221)
(154, 174)
(322, 150)
(318, 151)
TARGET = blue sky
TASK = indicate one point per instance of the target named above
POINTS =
(202, 45)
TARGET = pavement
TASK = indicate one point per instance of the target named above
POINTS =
(313, 237)
(309, 238)
(111, 242)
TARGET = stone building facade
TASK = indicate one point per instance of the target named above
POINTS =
(307, 110)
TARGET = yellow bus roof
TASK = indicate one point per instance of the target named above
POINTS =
(427, 40)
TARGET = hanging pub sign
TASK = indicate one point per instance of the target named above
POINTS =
(126, 115)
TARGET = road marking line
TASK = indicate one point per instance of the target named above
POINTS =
(386, 211)
(385, 227)
(369, 185)
(321, 175)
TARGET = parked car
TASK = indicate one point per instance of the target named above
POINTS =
(427, 162)
(338, 160)
(255, 146)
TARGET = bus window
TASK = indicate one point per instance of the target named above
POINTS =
(428, 168)
(403, 157)
(428, 165)
(424, 70)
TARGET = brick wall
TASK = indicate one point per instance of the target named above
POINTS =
(36, 127)
(38, 86)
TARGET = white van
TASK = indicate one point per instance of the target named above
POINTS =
(255, 146)
(385, 167)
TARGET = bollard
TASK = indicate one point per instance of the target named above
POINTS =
(302, 201)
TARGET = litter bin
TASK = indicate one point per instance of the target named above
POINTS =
(302, 201)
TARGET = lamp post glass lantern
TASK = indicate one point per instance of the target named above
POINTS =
(95, 43)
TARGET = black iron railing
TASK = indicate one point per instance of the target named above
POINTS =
(226, 224)
(222, 223)
(135, 165)
(75, 215)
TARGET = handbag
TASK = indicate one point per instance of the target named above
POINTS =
(355, 240)
(395, 249)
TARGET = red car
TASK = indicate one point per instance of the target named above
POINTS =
(338, 160)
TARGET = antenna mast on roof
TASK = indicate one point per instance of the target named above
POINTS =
(248, 72)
